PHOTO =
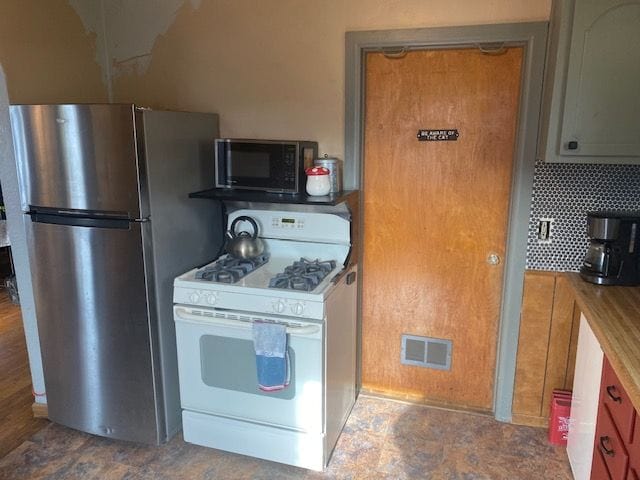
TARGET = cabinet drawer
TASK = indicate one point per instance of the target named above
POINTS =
(618, 402)
(610, 445)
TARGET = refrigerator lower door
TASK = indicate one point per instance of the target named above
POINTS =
(94, 324)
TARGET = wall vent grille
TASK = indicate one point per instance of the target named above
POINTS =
(426, 352)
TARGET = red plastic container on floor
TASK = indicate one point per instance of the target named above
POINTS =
(559, 419)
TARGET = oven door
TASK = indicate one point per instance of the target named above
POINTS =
(217, 369)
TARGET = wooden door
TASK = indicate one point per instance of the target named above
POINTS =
(433, 214)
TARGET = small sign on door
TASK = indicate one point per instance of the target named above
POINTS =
(438, 135)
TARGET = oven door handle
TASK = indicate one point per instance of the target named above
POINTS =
(183, 314)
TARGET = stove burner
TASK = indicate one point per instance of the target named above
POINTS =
(303, 275)
(229, 269)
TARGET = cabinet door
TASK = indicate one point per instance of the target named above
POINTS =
(584, 406)
(602, 97)
(618, 402)
(634, 450)
(609, 443)
(599, 470)
(546, 345)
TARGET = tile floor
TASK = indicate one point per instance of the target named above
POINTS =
(383, 439)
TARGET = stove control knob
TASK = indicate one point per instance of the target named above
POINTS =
(297, 308)
(211, 299)
(279, 306)
(194, 297)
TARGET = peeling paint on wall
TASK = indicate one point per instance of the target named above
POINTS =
(128, 30)
(271, 69)
(92, 17)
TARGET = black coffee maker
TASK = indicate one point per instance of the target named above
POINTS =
(613, 256)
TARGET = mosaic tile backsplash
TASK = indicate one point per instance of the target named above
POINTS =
(564, 193)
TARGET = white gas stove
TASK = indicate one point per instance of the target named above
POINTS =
(301, 282)
(289, 237)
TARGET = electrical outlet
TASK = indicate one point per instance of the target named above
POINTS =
(544, 230)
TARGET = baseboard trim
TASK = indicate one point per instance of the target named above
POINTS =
(40, 410)
(530, 420)
(421, 401)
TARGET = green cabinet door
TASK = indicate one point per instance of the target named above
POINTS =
(594, 114)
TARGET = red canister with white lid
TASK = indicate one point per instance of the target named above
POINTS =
(318, 182)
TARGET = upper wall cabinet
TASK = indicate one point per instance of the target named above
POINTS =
(591, 99)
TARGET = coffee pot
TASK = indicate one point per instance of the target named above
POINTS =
(613, 256)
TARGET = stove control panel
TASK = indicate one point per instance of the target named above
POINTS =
(288, 307)
(198, 297)
(287, 223)
(303, 226)
(266, 304)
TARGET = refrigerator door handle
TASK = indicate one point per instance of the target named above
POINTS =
(115, 223)
(77, 213)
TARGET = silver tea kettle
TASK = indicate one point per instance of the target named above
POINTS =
(244, 244)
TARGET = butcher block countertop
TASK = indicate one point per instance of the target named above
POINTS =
(614, 316)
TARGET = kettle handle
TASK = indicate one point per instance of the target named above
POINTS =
(232, 229)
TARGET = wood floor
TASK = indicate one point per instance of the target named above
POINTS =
(16, 417)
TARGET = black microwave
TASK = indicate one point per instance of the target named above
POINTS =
(264, 165)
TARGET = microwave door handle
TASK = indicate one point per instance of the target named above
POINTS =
(184, 314)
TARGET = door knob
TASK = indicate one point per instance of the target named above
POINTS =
(493, 259)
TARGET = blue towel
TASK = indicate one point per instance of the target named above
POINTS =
(272, 359)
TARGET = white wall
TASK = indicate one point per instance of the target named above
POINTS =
(271, 68)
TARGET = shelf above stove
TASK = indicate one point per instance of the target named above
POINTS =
(263, 197)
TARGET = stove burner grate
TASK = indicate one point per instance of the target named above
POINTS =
(229, 269)
(303, 275)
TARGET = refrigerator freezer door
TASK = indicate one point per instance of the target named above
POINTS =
(78, 157)
(92, 310)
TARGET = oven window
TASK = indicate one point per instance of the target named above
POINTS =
(230, 364)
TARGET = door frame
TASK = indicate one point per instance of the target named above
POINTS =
(16, 225)
(532, 36)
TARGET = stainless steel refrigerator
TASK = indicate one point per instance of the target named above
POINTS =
(110, 224)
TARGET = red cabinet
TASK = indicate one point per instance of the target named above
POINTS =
(616, 454)
(634, 453)
(618, 403)
(610, 445)
(598, 467)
